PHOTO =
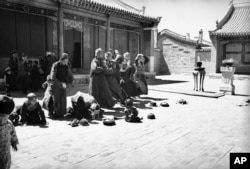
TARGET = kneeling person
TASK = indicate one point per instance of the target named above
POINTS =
(85, 106)
(32, 112)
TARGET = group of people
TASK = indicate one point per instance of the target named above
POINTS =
(114, 78)
(25, 74)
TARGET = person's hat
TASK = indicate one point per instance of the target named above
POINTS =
(31, 95)
(7, 69)
(48, 53)
(83, 122)
(139, 56)
(151, 116)
(119, 59)
(153, 104)
(74, 123)
(95, 106)
(128, 102)
(12, 52)
(64, 56)
(164, 104)
(127, 56)
(182, 101)
(109, 121)
(6, 104)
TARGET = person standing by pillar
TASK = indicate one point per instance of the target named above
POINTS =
(60, 76)
(13, 64)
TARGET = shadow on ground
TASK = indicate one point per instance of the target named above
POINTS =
(160, 81)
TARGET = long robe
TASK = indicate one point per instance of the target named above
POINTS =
(112, 81)
(98, 86)
(60, 74)
(140, 77)
(81, 102)
(7, 138)
(129, 86)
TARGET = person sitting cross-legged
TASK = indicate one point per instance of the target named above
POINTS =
(31, 112)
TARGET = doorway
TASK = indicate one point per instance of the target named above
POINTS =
(73, 46)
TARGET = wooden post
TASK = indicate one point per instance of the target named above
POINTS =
(107, 46)
(60, 30)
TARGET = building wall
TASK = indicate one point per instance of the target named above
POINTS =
(176, 57)
(204, 56)
(218, 53)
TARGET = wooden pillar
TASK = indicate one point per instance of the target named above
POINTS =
(60, 30)
(142, 42)
(107, 46)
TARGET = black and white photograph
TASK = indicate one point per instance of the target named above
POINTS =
(124, 84)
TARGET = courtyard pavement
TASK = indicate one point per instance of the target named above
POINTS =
(199, 135)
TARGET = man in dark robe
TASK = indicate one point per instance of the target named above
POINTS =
(60, 76)
(13, 64)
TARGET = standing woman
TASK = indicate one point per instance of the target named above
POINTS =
(110, 76)
(98, 86)
(140, 62)
(128, 86)
(60, 76)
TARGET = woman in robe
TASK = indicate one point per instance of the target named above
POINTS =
(98, 86)
(140, 78)
(111, 77)
(128, 86)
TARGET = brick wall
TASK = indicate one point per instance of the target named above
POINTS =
(176, 57)
(205, 57)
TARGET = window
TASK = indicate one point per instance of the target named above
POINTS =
(247, 53)
(239, 51)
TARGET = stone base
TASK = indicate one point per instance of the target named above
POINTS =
(228, 89)
(150, 75)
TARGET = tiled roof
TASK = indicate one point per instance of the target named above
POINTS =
(176, 36)
(110, 10)
(235, 23)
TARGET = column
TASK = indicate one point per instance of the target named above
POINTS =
(107, 45)
(60, 29)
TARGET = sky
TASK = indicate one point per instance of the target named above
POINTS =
(186, 16)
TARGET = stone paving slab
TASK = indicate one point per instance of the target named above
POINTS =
(197, 135)
(200, 134)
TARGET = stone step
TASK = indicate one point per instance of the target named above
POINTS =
(236, 76)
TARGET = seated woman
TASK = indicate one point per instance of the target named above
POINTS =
(131, 112)
(140, 62)
(31, 112)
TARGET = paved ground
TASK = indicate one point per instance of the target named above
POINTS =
(198, 135)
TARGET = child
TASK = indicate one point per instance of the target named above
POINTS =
(32, 112)
(7, 132)
(131, 112)
(7, 79)
(48, 103)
